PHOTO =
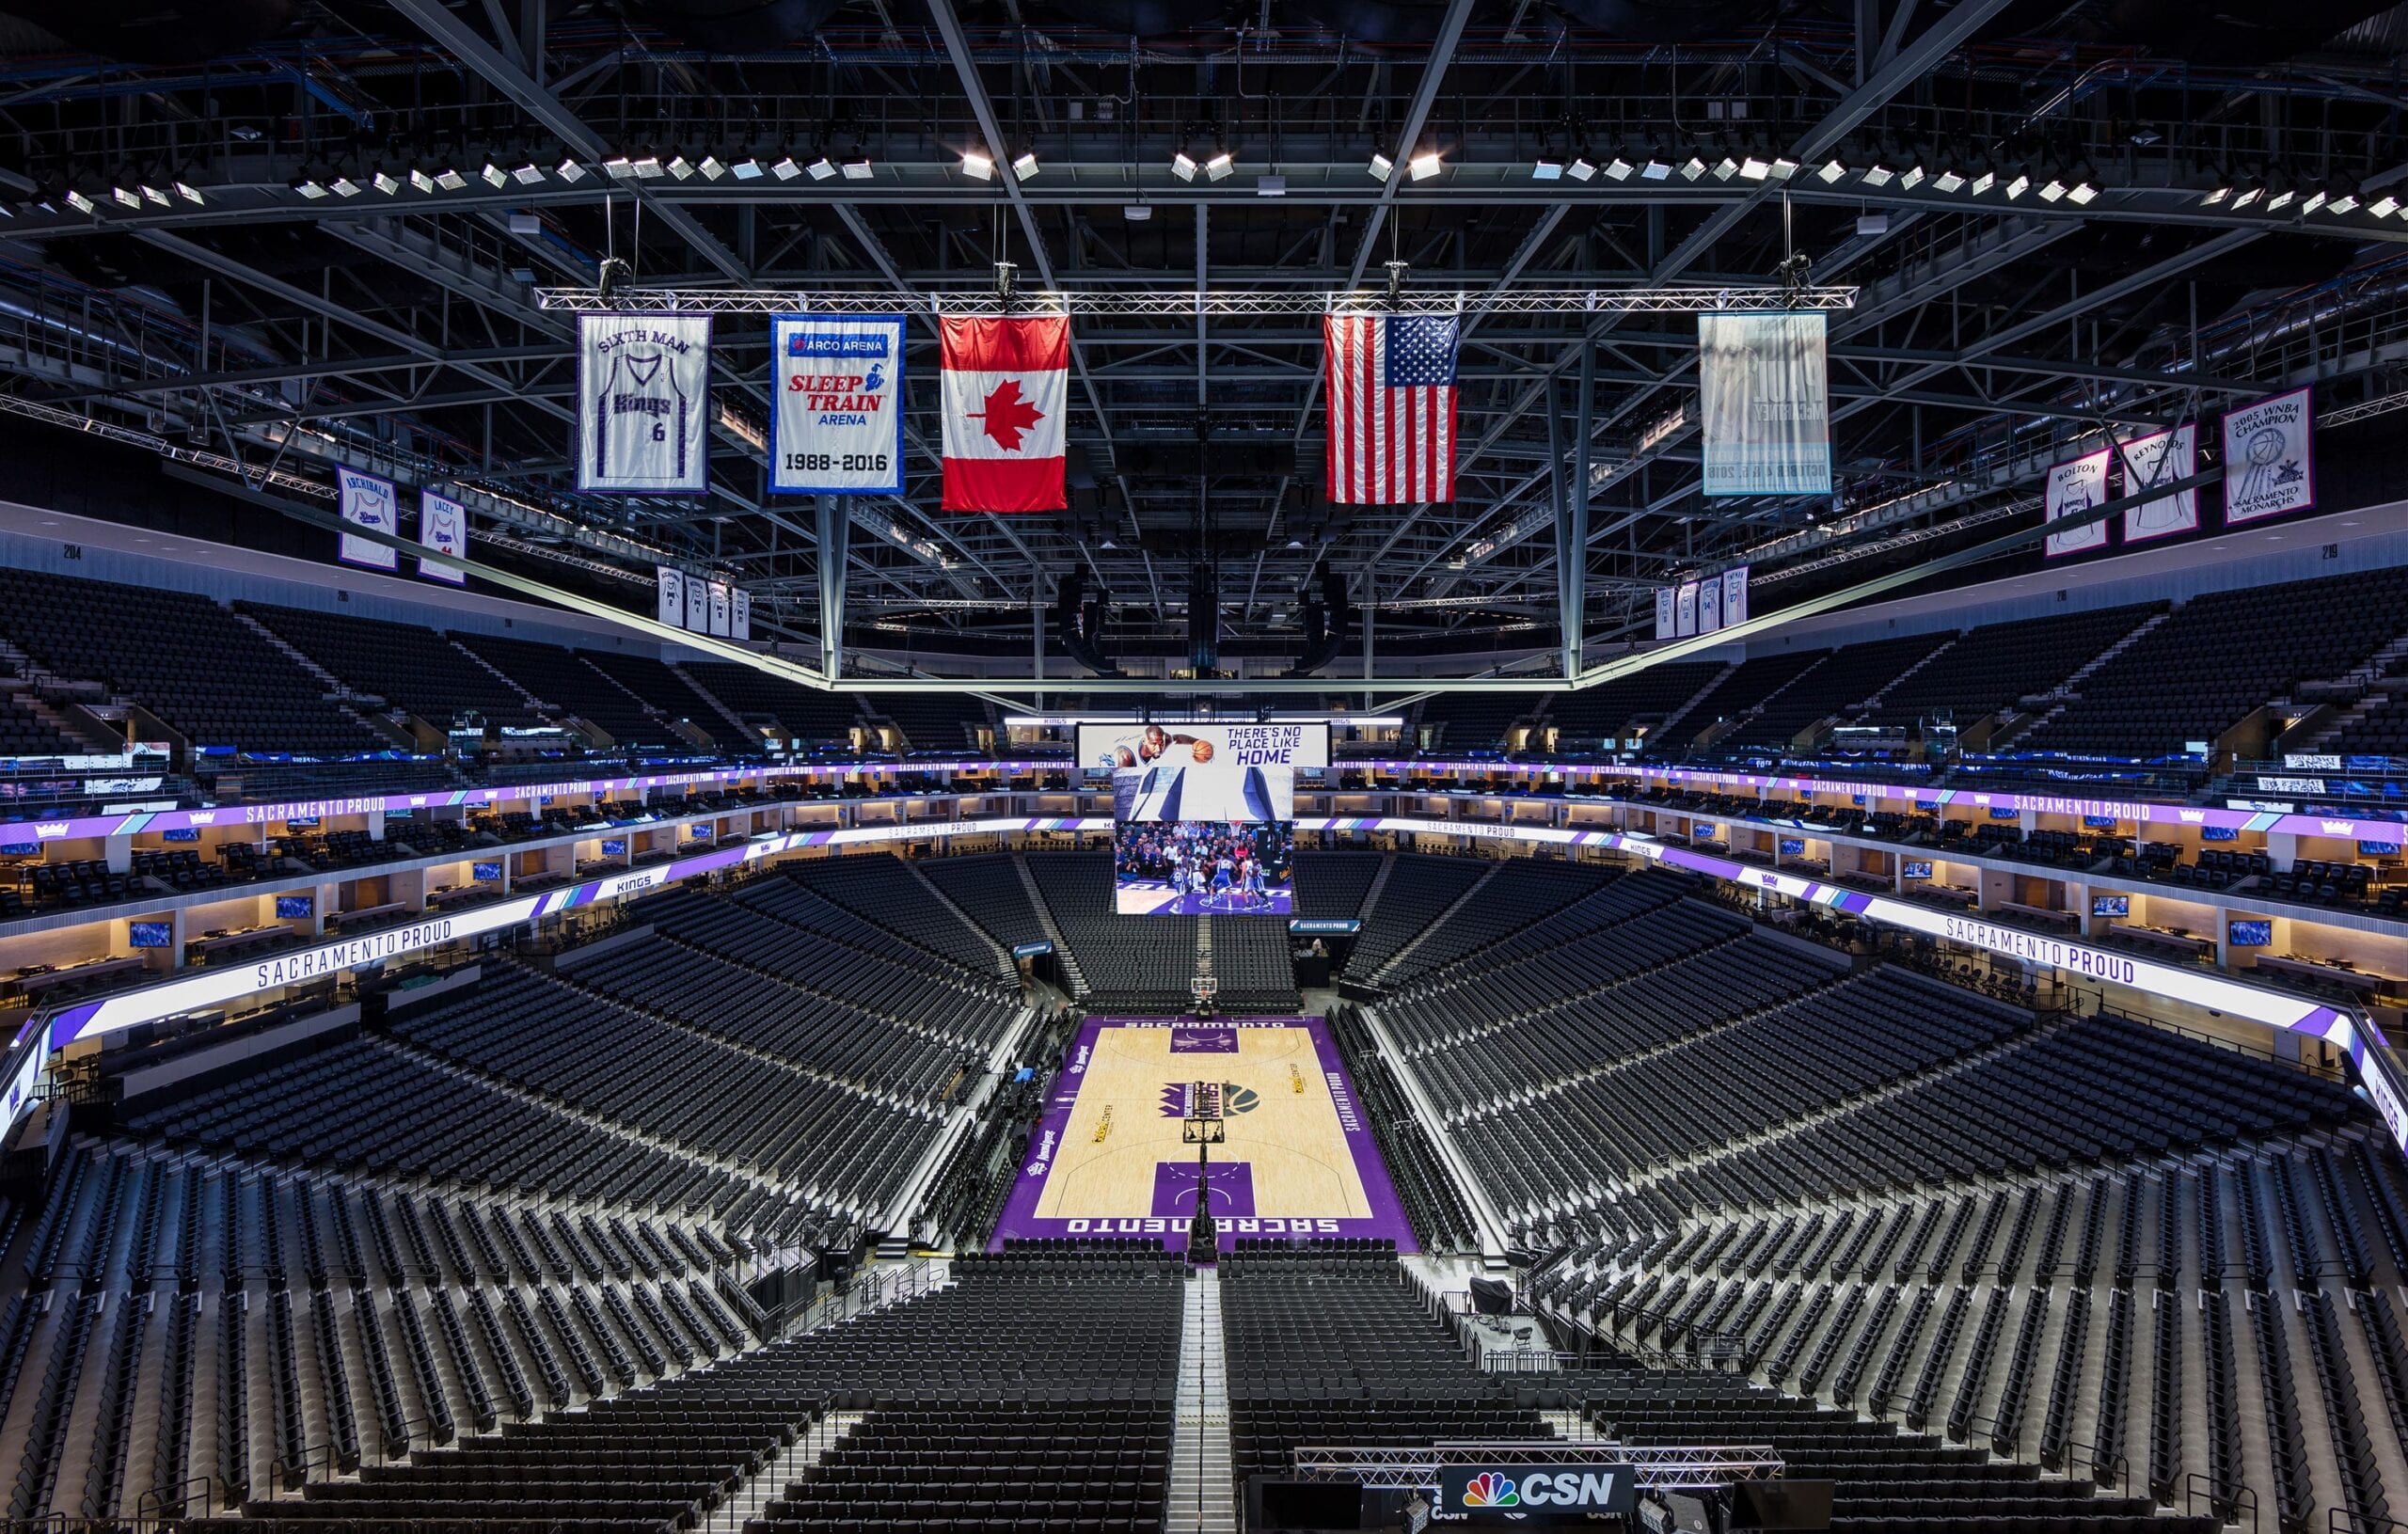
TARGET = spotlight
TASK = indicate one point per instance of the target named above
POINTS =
(130, 199)
(310, 189)
(1618, 168)
(681, 167)
(78, 201)
(1753, 169)
(1984, 181)
(1423, 165)
(2281, 199)
(384, 184)
(2082, 194)
(342, 186)
(2245, 199)
(648, 169)
(1024, 164)
(528, 174)
(1877, 174)
(450, 180)
(1219, 166)
(1725, 168)
(2218, 194)
(1382, 166)
(786, 170)
(494, 175)
(747, 170)
(2382, 207)
(856, 171)
(1784, 167)
(569, 171)
(2346, 202)
(1546, 170)
(1136, 213)
(1832, 170)
(2054, 191)
(1655, 169)
(189, 195)
(974, 165)
(1691, 168)
(1911, 177)
(712, 168)
(152, 194)
(620, 168)
(822, 168)
(2313, 200)
(1947, 181)
(1581, 170)
(420, 179)
(2017, 187)
(1182, 165)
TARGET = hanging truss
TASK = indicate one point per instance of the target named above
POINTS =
(1186, 301)
(1688, 1469)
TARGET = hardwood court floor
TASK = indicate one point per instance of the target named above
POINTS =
(1289, 1136)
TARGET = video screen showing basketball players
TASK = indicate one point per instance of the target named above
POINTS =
(1203, 868)
(1179, 771)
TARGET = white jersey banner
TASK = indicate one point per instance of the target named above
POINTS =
(672, 596)
(375, 504)
(2162, 458)
(836, 426)
(719, 609)
(1764, 403)
(2075, 487)
(1710, 606)
(643, 409)
(740, 614)
(1664, 612)
(1734, 596)
(1685, 610)
(698, 605)
(443, 528)
(2269, 458)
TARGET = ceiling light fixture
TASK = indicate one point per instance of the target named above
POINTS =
(2346, 202)
(681, 167)
(310, 189)
(192, 196)
(1219, 166)
(1382, 166)
(450, 180)
(342, 186)
(494, 175)
(1693, 167)
(856, 171)
(1424, 164)
(974, 165)
(712, 168)
(822, 169)
(1617, 168)
(786, 169)
(2082, 194)
(747, 170)
(2245, 199)
(386, 184)
(569, 170)
(1654, 170)
(1832, 170)
(2017, 187)
(1877, 174)
(528, 174)
(1024, 164)
(420, 179)
(1543, 170)
(1184, 166)
(81, 203)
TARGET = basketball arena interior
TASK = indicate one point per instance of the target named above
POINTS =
(1166, 766)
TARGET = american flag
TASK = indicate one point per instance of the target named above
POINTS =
(1392, 390)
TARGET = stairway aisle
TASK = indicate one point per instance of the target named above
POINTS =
(1202, 1496)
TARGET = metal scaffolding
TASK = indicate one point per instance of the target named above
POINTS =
(1232, 301)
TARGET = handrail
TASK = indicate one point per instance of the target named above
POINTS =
(154, 1502)
(2104, 1474)
(2198, 1489)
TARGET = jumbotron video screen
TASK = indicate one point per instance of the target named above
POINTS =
(1203, 814)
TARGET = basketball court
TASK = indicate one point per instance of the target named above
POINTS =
(1297, 1159)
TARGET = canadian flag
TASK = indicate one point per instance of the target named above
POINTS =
(1007, 381)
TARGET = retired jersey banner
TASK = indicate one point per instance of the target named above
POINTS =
(740, 614)
(2162, 458)
(698, 605)
(1664, 613)
(1007, 384)
(644, 404)
(372, 503)
(1685, 609)
(836, 425)
(719, 609)
(1734, 596)
(1764, 401)
(1709, 605)
(2075, 487)
(672, 596)
(2269, 458)
(442, 529)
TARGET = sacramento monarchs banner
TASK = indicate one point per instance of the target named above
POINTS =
(370, 502)
(1763, 400)
(2269, 458)
(644, 404)
(2074, 487)
(836, 428)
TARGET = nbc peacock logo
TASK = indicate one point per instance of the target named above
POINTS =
(1490, 1490)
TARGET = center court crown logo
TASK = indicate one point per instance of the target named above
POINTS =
(1224, 1099)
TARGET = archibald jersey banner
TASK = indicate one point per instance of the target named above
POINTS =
(1763, 401)
(2162, 458)
(372, 503)
(2075, 487)
(442, 529)
(2269, 461)
(644, 404)
(836, 428)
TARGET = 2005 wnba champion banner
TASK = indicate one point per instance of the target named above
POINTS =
(837, 425)
(644, 404)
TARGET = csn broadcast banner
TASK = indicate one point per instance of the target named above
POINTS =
(836, 428)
